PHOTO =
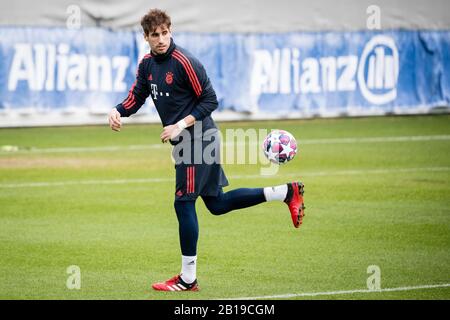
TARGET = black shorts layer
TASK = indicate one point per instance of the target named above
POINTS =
(199, 180)
(198, 168)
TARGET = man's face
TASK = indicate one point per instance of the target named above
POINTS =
(159, 39)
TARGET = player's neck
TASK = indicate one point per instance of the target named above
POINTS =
(163, 56)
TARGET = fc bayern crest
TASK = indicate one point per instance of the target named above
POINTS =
(169, 77)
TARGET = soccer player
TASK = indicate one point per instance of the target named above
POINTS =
(185, 98)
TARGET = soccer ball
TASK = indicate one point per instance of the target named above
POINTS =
(280, 146)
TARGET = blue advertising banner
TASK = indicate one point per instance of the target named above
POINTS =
(301, 74)
(58, 68)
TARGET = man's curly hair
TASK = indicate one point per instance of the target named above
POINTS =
(153, 19)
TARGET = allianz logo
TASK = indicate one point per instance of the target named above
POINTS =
(50, 67)
(284, 71)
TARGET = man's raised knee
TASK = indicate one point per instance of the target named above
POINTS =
(216, 210)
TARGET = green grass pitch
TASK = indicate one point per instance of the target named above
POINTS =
(66, 198)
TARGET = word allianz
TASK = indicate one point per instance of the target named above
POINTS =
(52, 67)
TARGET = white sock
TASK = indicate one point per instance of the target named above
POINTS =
(276, 193)
(188, 268)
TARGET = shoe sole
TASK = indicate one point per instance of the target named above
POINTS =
(301, 212)
(193, 289)
(190, 290)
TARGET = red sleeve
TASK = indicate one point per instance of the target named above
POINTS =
(138, 93)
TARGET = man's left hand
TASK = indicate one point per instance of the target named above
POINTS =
(170, 132)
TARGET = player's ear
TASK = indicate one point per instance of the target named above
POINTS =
(145, 37)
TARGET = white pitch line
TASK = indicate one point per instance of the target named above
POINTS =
(86, 149)
(255, 176)
(376, 139)
(160, 146)
(81, 182)
(333, 293)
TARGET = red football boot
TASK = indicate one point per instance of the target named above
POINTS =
(175, 284)
(294, 200)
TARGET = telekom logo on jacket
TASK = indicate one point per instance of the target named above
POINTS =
(155, 93)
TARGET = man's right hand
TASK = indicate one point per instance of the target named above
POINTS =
(114, 120)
